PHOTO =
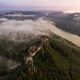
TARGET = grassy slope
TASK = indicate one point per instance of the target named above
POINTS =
(58, 60)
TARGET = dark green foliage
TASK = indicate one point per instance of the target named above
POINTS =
(57, 60)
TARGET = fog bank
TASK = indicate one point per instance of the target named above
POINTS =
(26, 28)
(20, 30)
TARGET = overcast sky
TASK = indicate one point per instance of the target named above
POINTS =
(41, 4)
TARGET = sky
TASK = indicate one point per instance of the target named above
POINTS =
(66, 5)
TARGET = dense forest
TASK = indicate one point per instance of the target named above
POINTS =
(58, 59)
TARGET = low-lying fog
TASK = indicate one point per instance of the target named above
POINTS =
(24, 30)
(27, 29)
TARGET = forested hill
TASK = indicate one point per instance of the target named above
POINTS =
(57, 59)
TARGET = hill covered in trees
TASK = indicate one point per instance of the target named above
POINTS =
(56, 59)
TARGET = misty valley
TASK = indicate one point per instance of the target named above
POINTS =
(39, 45)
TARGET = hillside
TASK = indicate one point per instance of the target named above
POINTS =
(57, 59)
(69, 22)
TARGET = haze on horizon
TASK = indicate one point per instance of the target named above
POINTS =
(62, 5)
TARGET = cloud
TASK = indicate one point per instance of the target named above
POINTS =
(12, 28)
